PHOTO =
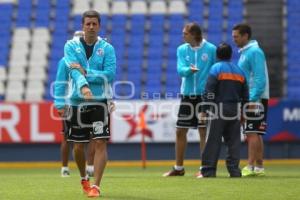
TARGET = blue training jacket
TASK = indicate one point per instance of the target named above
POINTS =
(203, 57)
(253, 62)
(100, 69)
(61, 85)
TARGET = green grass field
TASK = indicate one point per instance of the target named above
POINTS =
(134, 183)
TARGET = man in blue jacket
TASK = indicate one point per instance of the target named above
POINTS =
(92, 66)
(194, 60)
(227, 90)
(60, 94)
(253, 62)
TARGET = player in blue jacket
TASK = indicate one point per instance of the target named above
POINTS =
(194, 60)
(91, 62)
(253, 62)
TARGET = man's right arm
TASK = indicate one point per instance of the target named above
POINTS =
(75, 74)
(183, 68)
(60, 86)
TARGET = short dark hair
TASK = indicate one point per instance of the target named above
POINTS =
(224, 51)
(195, 30)
(243, 29)
(91, 14)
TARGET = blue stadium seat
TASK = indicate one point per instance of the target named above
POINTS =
(176, 23)
(62, 4)
(157, 23)
(6, 12)
(154, 67)
(77, 22)
(196, 10)
(137, 24)
(135, 52)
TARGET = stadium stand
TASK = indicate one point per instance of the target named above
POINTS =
(292, 45)
(145, 35)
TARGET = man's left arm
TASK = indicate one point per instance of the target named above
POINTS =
(258, 65)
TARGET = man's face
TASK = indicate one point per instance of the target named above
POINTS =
(186, 35)
(239, 40)
(91, 27)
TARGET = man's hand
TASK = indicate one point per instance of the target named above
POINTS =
(86, 92)
(78, 66)
(111, 106)
(193, 68)
(61, 112)
(202, 117)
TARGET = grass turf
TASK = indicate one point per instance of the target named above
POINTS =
(134, 183)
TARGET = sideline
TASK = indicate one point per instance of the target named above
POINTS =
(150, 163)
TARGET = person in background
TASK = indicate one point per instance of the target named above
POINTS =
(194, 60)
(227, 90)
(253, 62)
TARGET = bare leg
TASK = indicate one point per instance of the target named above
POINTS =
(260, 151)
(79, 157)
(64, 150)
(90, 152)
(180, 145)
(100, 159)
(253, 141)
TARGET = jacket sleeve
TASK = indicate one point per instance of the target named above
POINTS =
(245, 93)
(75, 74)
(210, 88)
(183, 67)
(258, 63)
(109, 68)
(60, 85)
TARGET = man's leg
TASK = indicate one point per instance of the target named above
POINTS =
(253, 142)
(233, 141)
(211, 151)
(90, 158)
(259, 167)
(79, 157)
(260, 152)
(64, 150)
(100, 160)
(180, 145)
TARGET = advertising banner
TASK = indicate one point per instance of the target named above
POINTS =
(154, 120)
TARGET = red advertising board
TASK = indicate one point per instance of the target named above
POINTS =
(29, 123)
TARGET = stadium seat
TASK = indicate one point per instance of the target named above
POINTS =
(196, 10)
(3, 74)
(158, 7)
(119, 7)
(138, 7)
(177, 7)
(80, 6)
(2, 89)
(101, 6)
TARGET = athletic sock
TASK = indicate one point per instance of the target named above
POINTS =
(64, 168)
(178, 168)
(258, 169)
(90, 168)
